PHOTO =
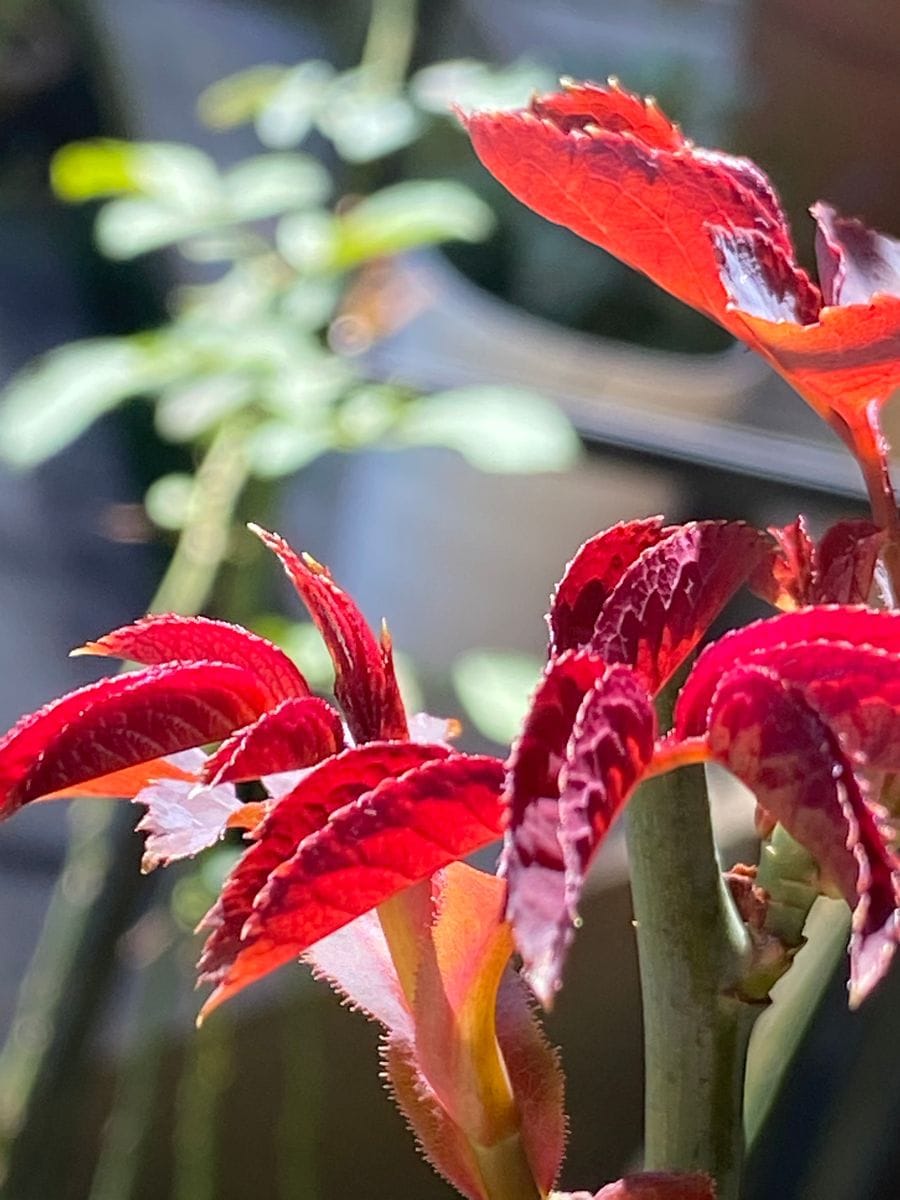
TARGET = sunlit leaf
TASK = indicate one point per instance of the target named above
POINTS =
(364, 119)
(274, 183)
(237, 98)
(286, 115)
(58, 397)
(494, 428)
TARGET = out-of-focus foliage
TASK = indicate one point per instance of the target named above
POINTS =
(494, 687)
(271, 331)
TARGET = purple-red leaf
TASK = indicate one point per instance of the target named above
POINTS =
(365, 684)
(766, 733)
(167, 638)
(400, 832)
(839, 570)
(588, 736)
(590, 577)
(855, 263)
(118, 723)
(333, 785)
(666, 600)
(297, 733)
(826, 623)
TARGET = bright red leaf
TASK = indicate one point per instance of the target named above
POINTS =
(667, 598)
(297, 733)
(365, 684)
(118, 723)
(331, 786)
(857, 627)
(590, 577)
(169, 638)
(660, 1186)
(588, 735)
(839, 570)
(708, 228)
(401, 831)
(771, 738)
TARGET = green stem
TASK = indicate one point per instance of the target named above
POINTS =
(692, 948)
(389, 41)
(62, 995)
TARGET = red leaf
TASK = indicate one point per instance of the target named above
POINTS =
(855, 263)
(826, 623)
(839, 570)
(128, 781)
(297, 733)
(708, 228)
(587, 737)
(402, 831)
(365, 684)
(669, 596)
(592, 574)
(169, 638)
(767, 734)
(532, 859)
(118, 723)
(838, 358)
(184, 817)
(333, 785)
(460, 984)
(439, 1138)
(629, 183)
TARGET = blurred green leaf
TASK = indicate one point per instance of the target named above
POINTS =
(469, 84)
(274, 183)
(135, 225)
(495, 428)
(411, 214)
(237, 98)
(53, 401)
(168, 500)
(367, 414)
(308, 241)
(278, 448)
(311, 303)
(286, 115)
(363, 120)
(494, 687)
(181, 176)
(184, 411)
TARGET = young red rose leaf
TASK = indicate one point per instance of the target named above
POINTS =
(117, 723)
(365, 684)
(297, 733)
(824, 623)
(401, 831)
(167, 637)
(532, 859)
(332, 785)
(847, 558)
(183, 817)
(766, 733)
(468, 986)
(611, 745)
(784, 576)
(666, 600)
(441, 1141)
(855, 263)
(591, 575)
(840, 359)
(839, 570)
(629, 184)
(129, 781)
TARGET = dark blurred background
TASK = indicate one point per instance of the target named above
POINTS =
(280, 1098)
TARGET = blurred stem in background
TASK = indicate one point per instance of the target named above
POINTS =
(390, 40)
(63, 995)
